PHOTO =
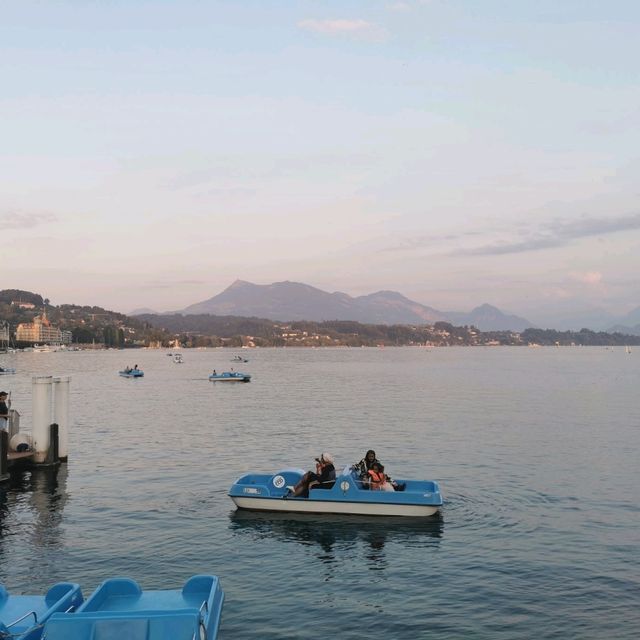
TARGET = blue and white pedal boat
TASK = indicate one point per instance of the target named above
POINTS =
(267, 492)
(120, 609)
(23, 617)
(132, 373)
(230, 376)
(7, 372)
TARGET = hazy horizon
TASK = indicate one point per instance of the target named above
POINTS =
(459, 154)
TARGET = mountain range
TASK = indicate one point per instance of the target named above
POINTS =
(289, 301)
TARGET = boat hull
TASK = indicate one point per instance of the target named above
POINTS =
(348, 495)
(230, 377)
(302, 505)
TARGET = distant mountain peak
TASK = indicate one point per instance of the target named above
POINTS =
(239, 283)
(143, 311)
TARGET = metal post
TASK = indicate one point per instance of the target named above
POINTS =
(14, 422)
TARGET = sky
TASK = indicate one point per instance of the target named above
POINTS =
(458, 151)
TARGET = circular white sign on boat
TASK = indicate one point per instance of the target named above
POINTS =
(344, 485)
(278, 482)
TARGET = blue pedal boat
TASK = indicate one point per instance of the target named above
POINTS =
(230, 376)
(6, 371)
(266, 492)
(131, 373)
(23, 617)
(119, 609)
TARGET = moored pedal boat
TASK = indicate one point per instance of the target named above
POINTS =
(267, 492)
(6, 371)
(230, 376)
(119, 608)
(23, 617)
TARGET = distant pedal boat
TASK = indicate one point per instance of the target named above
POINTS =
(132, 373)
(7, 372)
(119, 608)
(266, 492)
(230, 376)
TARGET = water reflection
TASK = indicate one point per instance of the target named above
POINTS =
(338, 532)
(41, 493)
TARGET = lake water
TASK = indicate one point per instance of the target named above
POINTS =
(536, 452)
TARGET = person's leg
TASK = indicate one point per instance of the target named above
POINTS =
(302, 488)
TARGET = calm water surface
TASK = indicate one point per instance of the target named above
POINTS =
(536, 451)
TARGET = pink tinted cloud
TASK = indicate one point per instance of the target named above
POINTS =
(591, 278)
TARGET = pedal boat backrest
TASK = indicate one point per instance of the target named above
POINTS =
(24, 615)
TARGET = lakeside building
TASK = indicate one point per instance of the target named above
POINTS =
(41, 331)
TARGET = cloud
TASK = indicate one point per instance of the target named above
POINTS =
(22, 220)
(592, 278)
(342, 27)
(558, 234)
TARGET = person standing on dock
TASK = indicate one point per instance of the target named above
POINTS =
(4, 411)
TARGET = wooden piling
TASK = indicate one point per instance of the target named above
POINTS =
(4, 451)
(53, 451)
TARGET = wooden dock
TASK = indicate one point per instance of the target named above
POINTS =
(19, 455)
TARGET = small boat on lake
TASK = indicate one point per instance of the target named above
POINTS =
(348, 495)
(131, 373)
(230, 376)
(119, 608)
(45, 348)
(22, 617)
(177, 358)
(5, 371)
(239, 359)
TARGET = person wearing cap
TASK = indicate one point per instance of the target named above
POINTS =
(4, 411)
(324, 477)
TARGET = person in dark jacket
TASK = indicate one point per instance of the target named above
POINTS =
(324, 477)
(364, 466)
(4, 411)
